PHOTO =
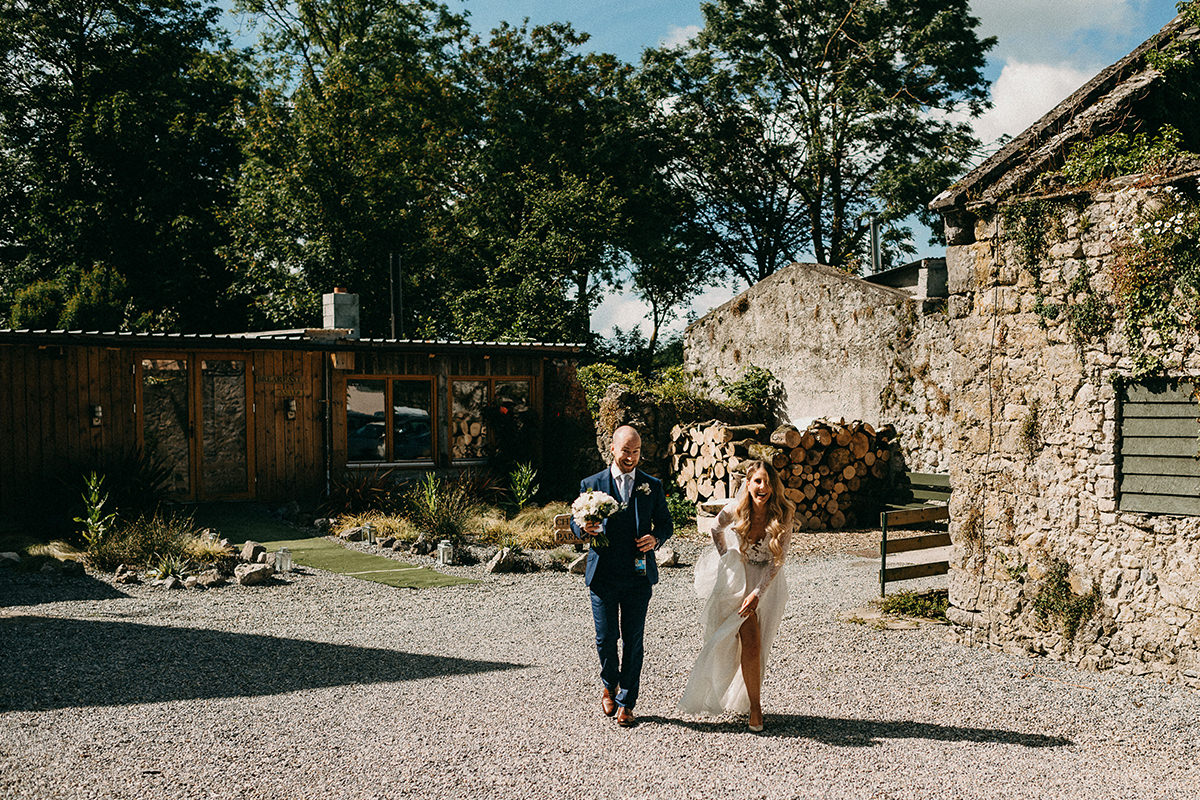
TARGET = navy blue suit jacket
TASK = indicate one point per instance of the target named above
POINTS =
(646, 513)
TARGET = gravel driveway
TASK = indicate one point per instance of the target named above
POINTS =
(329, 687)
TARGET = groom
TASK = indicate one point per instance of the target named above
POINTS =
(619, 575)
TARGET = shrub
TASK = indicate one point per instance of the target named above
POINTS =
(756, 388)
(440, 509)
(170, 566)
(385, 525)
(143, 541)
(683, 511)
(531, 529)
(596, 378)
(522, 487)
(362, 490)
(97, 521)
(930, 605)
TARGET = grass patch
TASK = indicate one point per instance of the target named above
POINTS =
(241, 522)
(926, 605)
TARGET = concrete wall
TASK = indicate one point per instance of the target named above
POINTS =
(841, 347)
(1035, 455)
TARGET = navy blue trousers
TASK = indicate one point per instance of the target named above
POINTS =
(619, 611)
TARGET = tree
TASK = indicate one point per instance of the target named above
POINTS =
(538, 226)
(117, 146)
(350, 153)
(793, 121)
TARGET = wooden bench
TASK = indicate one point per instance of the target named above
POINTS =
(931, 494)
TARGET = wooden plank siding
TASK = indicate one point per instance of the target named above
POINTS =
(1159, 470)
(50, 382)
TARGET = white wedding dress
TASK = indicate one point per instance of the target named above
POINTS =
(724, 575)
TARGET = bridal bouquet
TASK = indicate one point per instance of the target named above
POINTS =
(593, 506)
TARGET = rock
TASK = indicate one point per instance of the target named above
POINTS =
(191, 582)
(71, 567)
(289, 511)
(323, 524)
(210, 579)
(354, 534)
(666, 557)
(398, 544)
(388, 541)
(251, 551)
(172, 582)
(9, 559)
(253, 574)
(126, 575)
(262, 557)
(49, 567)
(503, 561)
(579, 565)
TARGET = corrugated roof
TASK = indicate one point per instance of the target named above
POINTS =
(290, 340)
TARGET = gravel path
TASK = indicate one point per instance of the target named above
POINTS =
(329, 687)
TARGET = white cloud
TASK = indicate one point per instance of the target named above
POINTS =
(1028, 29)
(1023, 93)
(627, 311)
(678, 35)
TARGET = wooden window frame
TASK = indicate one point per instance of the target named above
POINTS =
(389, 446)
(491, 381)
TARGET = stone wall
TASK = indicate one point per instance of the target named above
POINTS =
(841, 347)
(1038, 537)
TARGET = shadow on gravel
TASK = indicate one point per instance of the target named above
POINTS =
(31, 590)
(863, 732)
(64, 663)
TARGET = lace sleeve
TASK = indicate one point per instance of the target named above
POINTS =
(720, 525)
(769, 574)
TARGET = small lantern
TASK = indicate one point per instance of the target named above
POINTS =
(369, 530)
(445, 552)
(283, 560)
(97, 412)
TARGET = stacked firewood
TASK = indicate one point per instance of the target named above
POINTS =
(835, 472)
(468, 437)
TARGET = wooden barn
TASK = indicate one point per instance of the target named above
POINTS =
(271, 417)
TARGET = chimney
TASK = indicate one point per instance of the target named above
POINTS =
(340, 310)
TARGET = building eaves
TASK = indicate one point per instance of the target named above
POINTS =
(287, 340)
(1082, 115)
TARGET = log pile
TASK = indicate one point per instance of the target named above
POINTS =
(468, 437)
(835, 472)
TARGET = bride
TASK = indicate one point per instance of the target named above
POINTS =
(746, 590)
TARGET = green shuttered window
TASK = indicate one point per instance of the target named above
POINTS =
(1160, 435)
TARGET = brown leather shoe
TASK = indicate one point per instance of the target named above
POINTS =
(607, 704)
(624, 717)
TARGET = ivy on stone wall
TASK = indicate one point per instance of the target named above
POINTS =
(1156, 279)
(1029, 227)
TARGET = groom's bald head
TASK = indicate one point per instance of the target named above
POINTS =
(626, 448)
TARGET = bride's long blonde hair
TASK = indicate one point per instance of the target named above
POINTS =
(779, 511)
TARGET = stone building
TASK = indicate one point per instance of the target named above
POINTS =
(1074, 277)
(874, 349)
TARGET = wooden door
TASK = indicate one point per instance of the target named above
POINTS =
(195, 415)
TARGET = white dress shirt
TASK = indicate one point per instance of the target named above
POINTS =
(624, 481)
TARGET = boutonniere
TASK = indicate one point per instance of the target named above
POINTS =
(643, 488)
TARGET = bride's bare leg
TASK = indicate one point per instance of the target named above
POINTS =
(751, 665)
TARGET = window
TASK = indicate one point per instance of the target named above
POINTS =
(1159, 470)
(389, 419)
(473, 401)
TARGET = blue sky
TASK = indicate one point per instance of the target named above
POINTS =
(1046, 50)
